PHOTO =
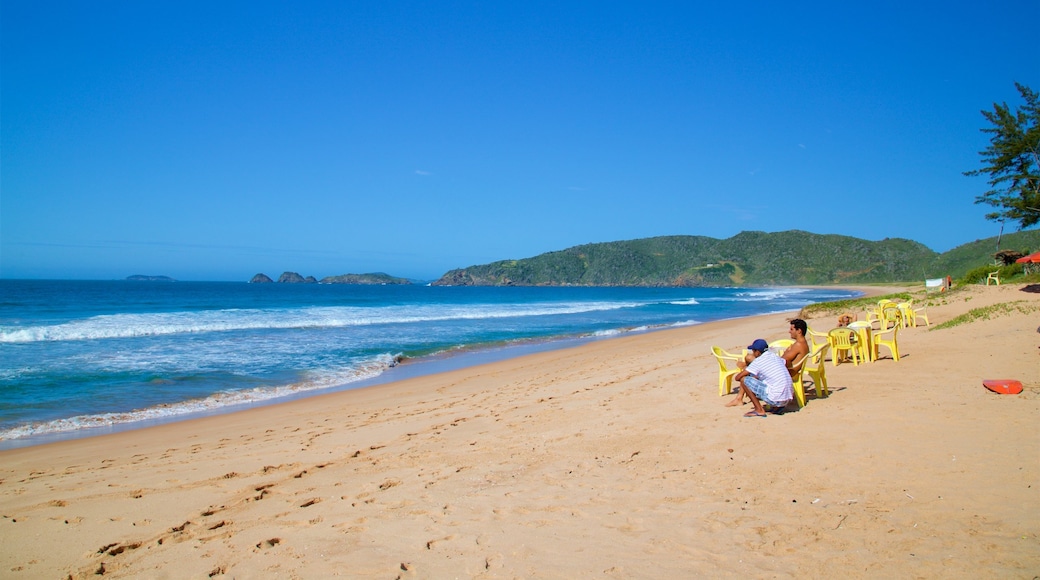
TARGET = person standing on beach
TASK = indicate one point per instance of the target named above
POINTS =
(765, 380)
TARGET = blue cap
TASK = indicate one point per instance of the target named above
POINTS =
(759, 345)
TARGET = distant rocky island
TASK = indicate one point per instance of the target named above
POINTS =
(374, 278)
(143, 278)
(294, 278)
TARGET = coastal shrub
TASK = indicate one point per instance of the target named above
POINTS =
(979, 275)
(975, 275)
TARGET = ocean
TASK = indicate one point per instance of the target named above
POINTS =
(85, 357)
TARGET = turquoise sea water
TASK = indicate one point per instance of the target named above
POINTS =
(88, 356)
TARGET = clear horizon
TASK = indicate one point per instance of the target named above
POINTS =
(213, 142)
(319, 276)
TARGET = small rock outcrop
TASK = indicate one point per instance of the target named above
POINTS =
(290, 278)
(261, 278)
(294, 278)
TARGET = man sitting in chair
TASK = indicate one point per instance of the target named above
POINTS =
(800, 348)
(765, 380)
(795, 352)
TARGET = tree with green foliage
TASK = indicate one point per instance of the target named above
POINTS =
(1012, 161)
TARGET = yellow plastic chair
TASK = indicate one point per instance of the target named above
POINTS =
(890, 316)
(841, 341)
(815, 339)
(814, 366)
(910, 314)
(796, 379)
(887, 338)
(876, 314)
(918, 313)
(873, 315)
(993, 277)
(726, 371)
(780, 345)
(906, 311)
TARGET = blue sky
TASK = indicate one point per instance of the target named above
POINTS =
(215, 140)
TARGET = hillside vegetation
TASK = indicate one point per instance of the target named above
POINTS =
(749, 258)
(980, 252)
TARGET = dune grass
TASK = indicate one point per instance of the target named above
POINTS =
(989, 312)
(857, 305)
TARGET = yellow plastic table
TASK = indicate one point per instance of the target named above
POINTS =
(865, 336)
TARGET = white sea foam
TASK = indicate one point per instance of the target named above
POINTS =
(688, 302)
(770, 293)
(759, 295)
(213, 402)
(154, 324)
(685, 323)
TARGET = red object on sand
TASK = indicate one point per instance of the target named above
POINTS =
(1034, 258)
(1003, 386)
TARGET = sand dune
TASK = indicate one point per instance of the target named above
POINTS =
(611, 459)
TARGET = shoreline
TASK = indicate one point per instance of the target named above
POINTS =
(466, 356)
(378, 391)
(406, 369)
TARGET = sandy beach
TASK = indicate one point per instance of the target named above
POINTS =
(612, 459)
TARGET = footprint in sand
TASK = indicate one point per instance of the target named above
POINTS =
(268, 544)
(431, 544)
(117, 549)
(264, 491)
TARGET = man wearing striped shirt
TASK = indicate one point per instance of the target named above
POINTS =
(764, 380)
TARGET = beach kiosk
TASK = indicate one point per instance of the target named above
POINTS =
(1032, 262)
